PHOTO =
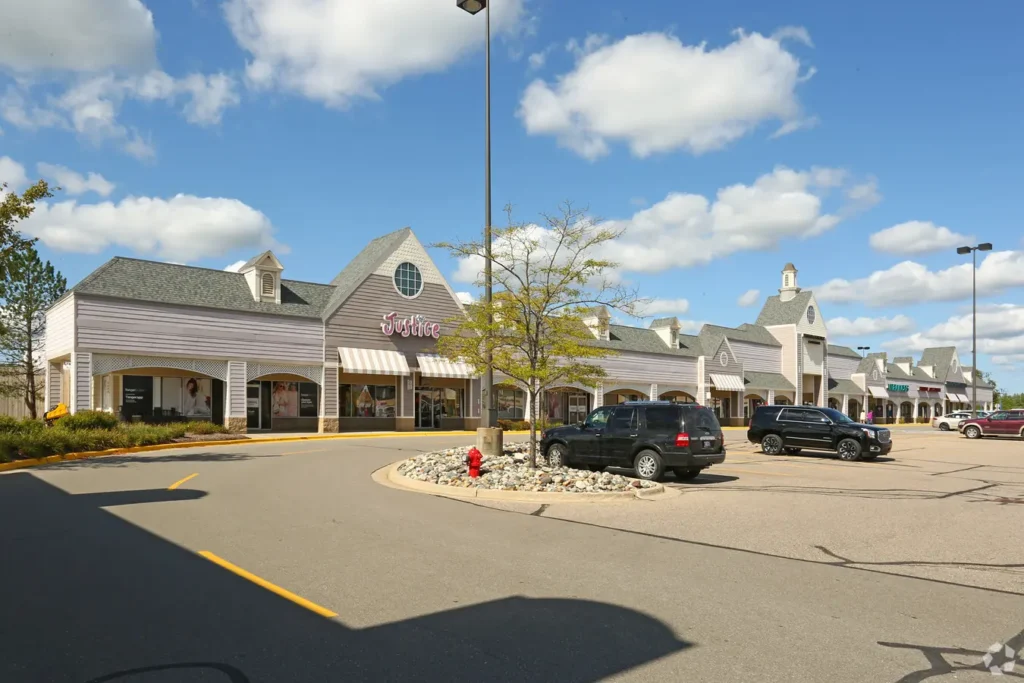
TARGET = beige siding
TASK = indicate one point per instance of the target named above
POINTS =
(817, 328)
(758, 357)
(786, 334)
(814, 356)
(60, 328)
(132, 327)
(841, 367)
(357, 322)
(643, 369)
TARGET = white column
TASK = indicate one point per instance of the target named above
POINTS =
(846, 404)
(54, 376)
(771, 397)
(81, 381)
(527, 413)
(702, 386)
(598, 395)
(917, 402)
(654, 392)
(235, 398)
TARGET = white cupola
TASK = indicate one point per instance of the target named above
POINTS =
(598, 319)
(668, 330)
(789, 288)
(263, 275)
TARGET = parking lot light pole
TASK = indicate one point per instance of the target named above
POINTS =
(864, 349)
(487, 386)
(973, 251)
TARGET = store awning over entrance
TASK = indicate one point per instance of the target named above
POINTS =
(878, 392)
(958, 398)
(432, 365)
(373, 362)
(727, 382)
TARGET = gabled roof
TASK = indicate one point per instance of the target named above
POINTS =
(767, 380)
(711, 337)
(641, 340)
(837, 350)
(843, 386)
(779, 312)
(867, 364)
(664, 322)
(168, 283)
(903, 359)
(981, 381)
(893, 371)
(256, 259)
(922, 376)
(362, 267)
(940, 357)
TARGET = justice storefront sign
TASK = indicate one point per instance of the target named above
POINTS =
(414, 326)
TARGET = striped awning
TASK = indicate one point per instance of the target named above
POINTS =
(432, 365)
(372, 361)
(727, 382)
(878, 392)
(958, 398)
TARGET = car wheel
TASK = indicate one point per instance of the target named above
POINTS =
(849, 449)
(972, 432)
(649, 465)
(943, 427)
(789, 450)
(771, 445)
(686, 473)
(558, 455)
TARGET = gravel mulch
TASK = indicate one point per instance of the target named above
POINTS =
(512, 472)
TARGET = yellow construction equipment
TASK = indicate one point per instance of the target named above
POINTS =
(57, 413)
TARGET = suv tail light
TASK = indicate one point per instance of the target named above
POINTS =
(683, 440)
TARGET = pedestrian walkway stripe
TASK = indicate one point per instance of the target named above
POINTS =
(182, 481)
(263, 583)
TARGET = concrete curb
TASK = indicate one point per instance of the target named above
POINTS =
(389, 476)
(55, 459)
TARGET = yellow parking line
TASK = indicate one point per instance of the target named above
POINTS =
(263, 583)
(181, 481)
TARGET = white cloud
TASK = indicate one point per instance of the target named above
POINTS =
(917, 237)
(12, 173)
(76, 35)
(778, 205)
(665, 306)
(1010, 361)
(1000, 332)
(465, 297)
(183, 228)
(92, 106)
(658, 95)
(235, 267)
(911, 282)
(749, 298)
(336, 51)
(863, 327)
(75, 183)
(537, 60)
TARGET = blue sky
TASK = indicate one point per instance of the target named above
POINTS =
(862, 143)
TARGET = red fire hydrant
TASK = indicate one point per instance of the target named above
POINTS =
(474, 458)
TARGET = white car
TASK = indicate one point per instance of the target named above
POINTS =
(950, 421)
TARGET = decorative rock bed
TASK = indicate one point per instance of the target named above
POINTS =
(512, 472)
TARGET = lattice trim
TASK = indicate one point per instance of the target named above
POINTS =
(103, 364)
(314, 373)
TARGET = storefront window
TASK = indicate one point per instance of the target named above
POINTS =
(511, 404)
(367, 400)
(452, 403)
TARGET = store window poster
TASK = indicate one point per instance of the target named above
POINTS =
(285, 399)
(198, 397)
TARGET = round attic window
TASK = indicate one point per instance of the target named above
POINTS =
(408, 280)
(724, 359)
(811, 314)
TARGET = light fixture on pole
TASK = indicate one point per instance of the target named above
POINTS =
(984, 246)
(487, 389)
(863, 348)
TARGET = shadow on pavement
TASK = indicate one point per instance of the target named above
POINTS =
(91, 598)
(124, 460)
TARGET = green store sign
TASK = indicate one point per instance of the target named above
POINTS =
(899, 388)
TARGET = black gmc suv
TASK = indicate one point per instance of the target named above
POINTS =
(647, 436)
(790, 429)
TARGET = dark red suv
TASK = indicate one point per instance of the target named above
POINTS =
(999, 423)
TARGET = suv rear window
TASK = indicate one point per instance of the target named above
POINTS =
(701, 418)
(663, 418)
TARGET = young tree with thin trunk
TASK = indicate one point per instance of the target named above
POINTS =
(546, 280)
(30, 289)
(15, 208)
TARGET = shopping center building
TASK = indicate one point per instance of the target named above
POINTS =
(255, 351)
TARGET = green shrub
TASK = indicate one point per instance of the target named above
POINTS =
(10, 425)
(202, 427)
(88, 419)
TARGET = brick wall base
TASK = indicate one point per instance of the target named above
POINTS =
(236, 425)
(328, 425)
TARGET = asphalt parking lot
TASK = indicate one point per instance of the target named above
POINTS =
(286, 562)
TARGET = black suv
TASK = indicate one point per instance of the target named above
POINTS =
(647, 436)
(790, 429)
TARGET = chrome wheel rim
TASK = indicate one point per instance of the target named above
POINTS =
(771, 445)
(555, 456)
(646, 467)
(847, 451)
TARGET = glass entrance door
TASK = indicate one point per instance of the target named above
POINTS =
(577, 408)
(429, 405)
(252, 405)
